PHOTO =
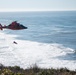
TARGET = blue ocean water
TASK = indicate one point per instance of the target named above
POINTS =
(45, 27)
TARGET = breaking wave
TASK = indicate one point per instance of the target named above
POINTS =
(26, 53)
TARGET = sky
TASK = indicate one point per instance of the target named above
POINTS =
(37, 5)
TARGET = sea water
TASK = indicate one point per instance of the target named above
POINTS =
(49, 41)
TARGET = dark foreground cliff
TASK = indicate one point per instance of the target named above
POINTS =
(16, 70)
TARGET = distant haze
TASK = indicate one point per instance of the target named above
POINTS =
(37, 5)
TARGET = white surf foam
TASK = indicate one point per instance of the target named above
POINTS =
(26, 53)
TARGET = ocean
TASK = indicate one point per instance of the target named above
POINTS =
(49, 41)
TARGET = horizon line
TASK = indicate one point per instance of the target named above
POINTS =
(35, 10)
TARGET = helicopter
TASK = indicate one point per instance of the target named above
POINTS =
(13, 26)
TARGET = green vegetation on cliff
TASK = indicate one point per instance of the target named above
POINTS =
(16, 70)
